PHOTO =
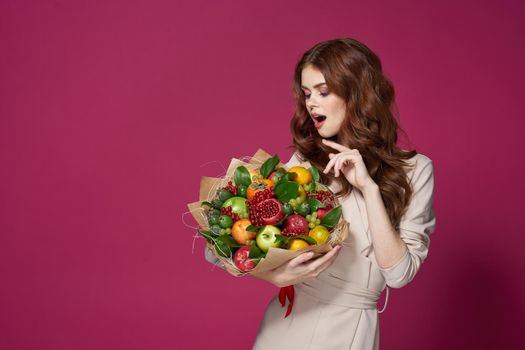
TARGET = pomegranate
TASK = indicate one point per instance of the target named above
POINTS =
(242, 260)
(324, 197)
(270, 211)
(295, 225)
(256, 213)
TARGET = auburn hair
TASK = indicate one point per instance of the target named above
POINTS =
(354, 73)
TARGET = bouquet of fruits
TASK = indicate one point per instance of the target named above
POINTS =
(261, 215)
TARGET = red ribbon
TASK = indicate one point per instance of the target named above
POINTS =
(287, 292)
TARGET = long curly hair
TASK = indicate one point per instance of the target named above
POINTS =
(353, 72)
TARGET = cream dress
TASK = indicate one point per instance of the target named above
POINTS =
(338, 309)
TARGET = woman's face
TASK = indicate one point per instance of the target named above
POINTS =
(322, 103)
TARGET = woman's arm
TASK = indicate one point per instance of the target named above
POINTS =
(400, 255)
(388, 245)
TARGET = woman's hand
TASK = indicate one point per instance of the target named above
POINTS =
(350, 163)
(299, 269)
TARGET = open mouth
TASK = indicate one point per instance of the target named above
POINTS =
(319, 120)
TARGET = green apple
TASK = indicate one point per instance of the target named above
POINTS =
(238, 205)
(269, 236)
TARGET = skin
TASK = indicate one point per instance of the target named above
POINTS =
(320, 100)
(388, 246)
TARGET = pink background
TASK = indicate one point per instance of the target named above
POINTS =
(109, 109)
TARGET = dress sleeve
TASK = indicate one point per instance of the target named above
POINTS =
(415, 228)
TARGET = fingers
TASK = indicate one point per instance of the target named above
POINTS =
(341, 162)
(327, 258)
(329, 165)
(301, 268)
(337, 166)
(301, 259)
(338, 160)
(325, 265)
(335, 145)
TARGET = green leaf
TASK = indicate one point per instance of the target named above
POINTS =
(282, 240)
(280, 172)
(255, 252)
(224, 195)
(332, 217)
(206, 234)
(310, 187)
(252, 228)
(227, 239)
(286, 190)
(269, 165)
(241, 176)
(282, 221)
(222, 248)
(215, 230)
(315, 204)
(315, 173)
(291, 176)
(287, 177)
(206, 203)
(306, 238)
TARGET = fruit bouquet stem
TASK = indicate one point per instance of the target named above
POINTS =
(261, 214)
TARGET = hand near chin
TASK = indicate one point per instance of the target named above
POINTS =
(350, 163)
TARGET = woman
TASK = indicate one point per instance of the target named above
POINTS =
(344, 124)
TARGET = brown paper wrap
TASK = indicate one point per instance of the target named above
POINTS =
(275, 256)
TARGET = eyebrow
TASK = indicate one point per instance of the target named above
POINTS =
(316, 85)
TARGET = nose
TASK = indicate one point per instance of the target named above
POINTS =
(311, 102)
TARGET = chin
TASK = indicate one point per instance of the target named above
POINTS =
(326, 134)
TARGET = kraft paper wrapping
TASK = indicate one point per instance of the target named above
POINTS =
(275, 256)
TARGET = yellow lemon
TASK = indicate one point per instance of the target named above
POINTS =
(297, 243)
(303, 175)
(320, 234)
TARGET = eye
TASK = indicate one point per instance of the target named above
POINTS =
(324, 94)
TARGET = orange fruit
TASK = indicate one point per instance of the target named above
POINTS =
(255, 187)
(320, 234)
(297, 243)
(303, 175)
(239, 232)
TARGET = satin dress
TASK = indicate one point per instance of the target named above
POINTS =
(338, 309)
